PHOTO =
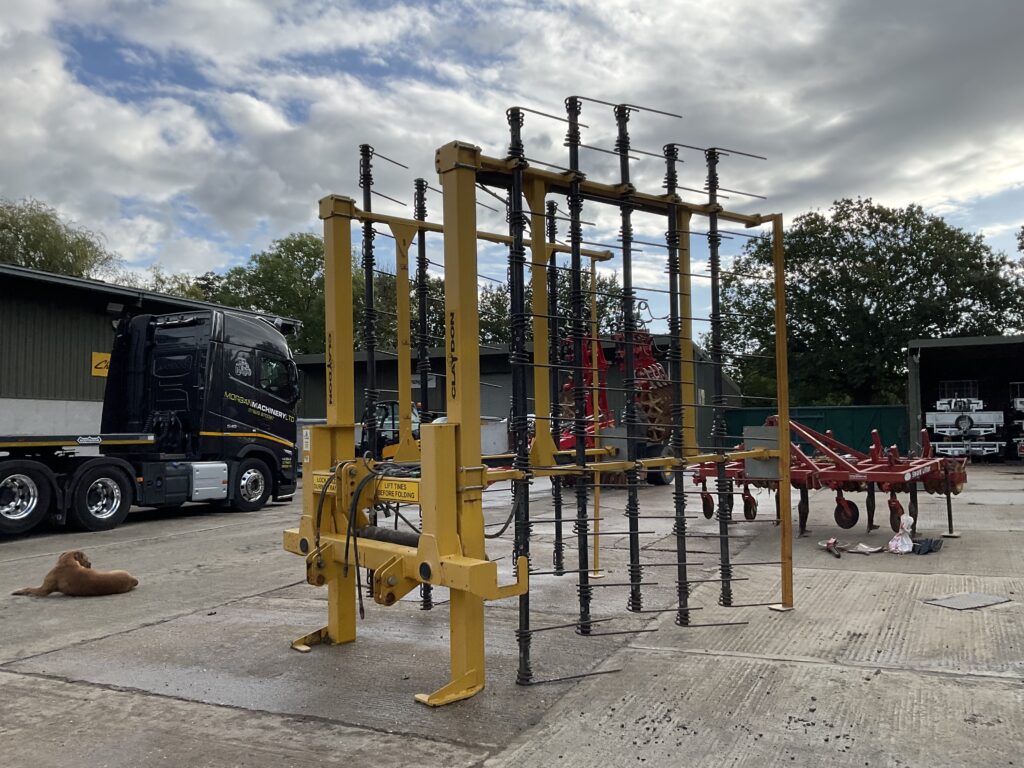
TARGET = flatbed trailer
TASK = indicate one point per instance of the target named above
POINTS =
(199, 406)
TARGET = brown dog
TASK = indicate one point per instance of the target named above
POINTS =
(73, 575)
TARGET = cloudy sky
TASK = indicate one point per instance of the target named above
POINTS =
(193, 133)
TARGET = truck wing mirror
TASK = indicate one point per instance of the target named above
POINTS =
(293, 382)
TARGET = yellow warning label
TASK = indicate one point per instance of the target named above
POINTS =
(320, 480)
(386, 489)
(100, 364)
(405, 491)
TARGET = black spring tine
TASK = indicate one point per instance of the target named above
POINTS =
(667, 517)
(669, 610)
(387, 197)
(570, 678)
(549, 165)
(766, 520)
(638, 108)
(745, 194)
(713, 624)
(375, 153)
(621, 632)
(495, 195)
(673, 549)
(748, 605)
(573, 625)
(608, 245)
(624, 584)
(727, 151)
(544, 114)
(763, 562)
(608, 151)
(666, 565)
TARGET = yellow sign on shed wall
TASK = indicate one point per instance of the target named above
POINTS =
(100, 364)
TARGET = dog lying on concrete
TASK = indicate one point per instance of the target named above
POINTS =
(73, 575)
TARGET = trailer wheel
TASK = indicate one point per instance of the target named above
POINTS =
(253, 486)
(101, 499)
(24, 497)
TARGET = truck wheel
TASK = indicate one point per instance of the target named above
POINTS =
(101, 499)
(252, 486)
(24, 497)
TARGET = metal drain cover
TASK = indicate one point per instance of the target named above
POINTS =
(967, 600)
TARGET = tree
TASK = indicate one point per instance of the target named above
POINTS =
(496, 318)
(287, 279)
(1020, 240)
(175, 283)
(861, 282)
(32, 234)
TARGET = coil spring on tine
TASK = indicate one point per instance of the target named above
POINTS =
(671, 173)
(420, 207)
(622, 141)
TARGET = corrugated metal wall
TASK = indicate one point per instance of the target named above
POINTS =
(47, 335)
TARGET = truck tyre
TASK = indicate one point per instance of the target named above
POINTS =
(101, 499)
(24, 496)
(253, 486)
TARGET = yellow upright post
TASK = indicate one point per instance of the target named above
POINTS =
(407, 449)
(337, 213)
(335, 441)
(595, 395)
(542, 451)
(457, 164)
(688, 384)
(782, 394)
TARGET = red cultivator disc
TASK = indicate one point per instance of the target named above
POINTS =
(895, 513)
(749, 507)
(846, 513)
(707, 504)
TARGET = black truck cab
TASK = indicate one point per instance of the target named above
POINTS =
(199, 406)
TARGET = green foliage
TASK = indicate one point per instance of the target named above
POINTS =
(385, 299)
(32, 234)
(1020, 240)
(861, 282)
(287, 279)
(496, 319)
(175, 283)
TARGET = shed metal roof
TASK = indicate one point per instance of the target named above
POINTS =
(126, 293)
(964, 341)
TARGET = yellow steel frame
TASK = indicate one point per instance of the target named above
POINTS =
(450, 551)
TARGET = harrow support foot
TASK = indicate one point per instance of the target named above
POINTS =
(464, 687)
(318, 637)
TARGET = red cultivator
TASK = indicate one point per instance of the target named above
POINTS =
(831, 464)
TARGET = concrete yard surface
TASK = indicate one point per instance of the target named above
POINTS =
(194, 668)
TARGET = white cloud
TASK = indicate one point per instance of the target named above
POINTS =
(905, 103)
